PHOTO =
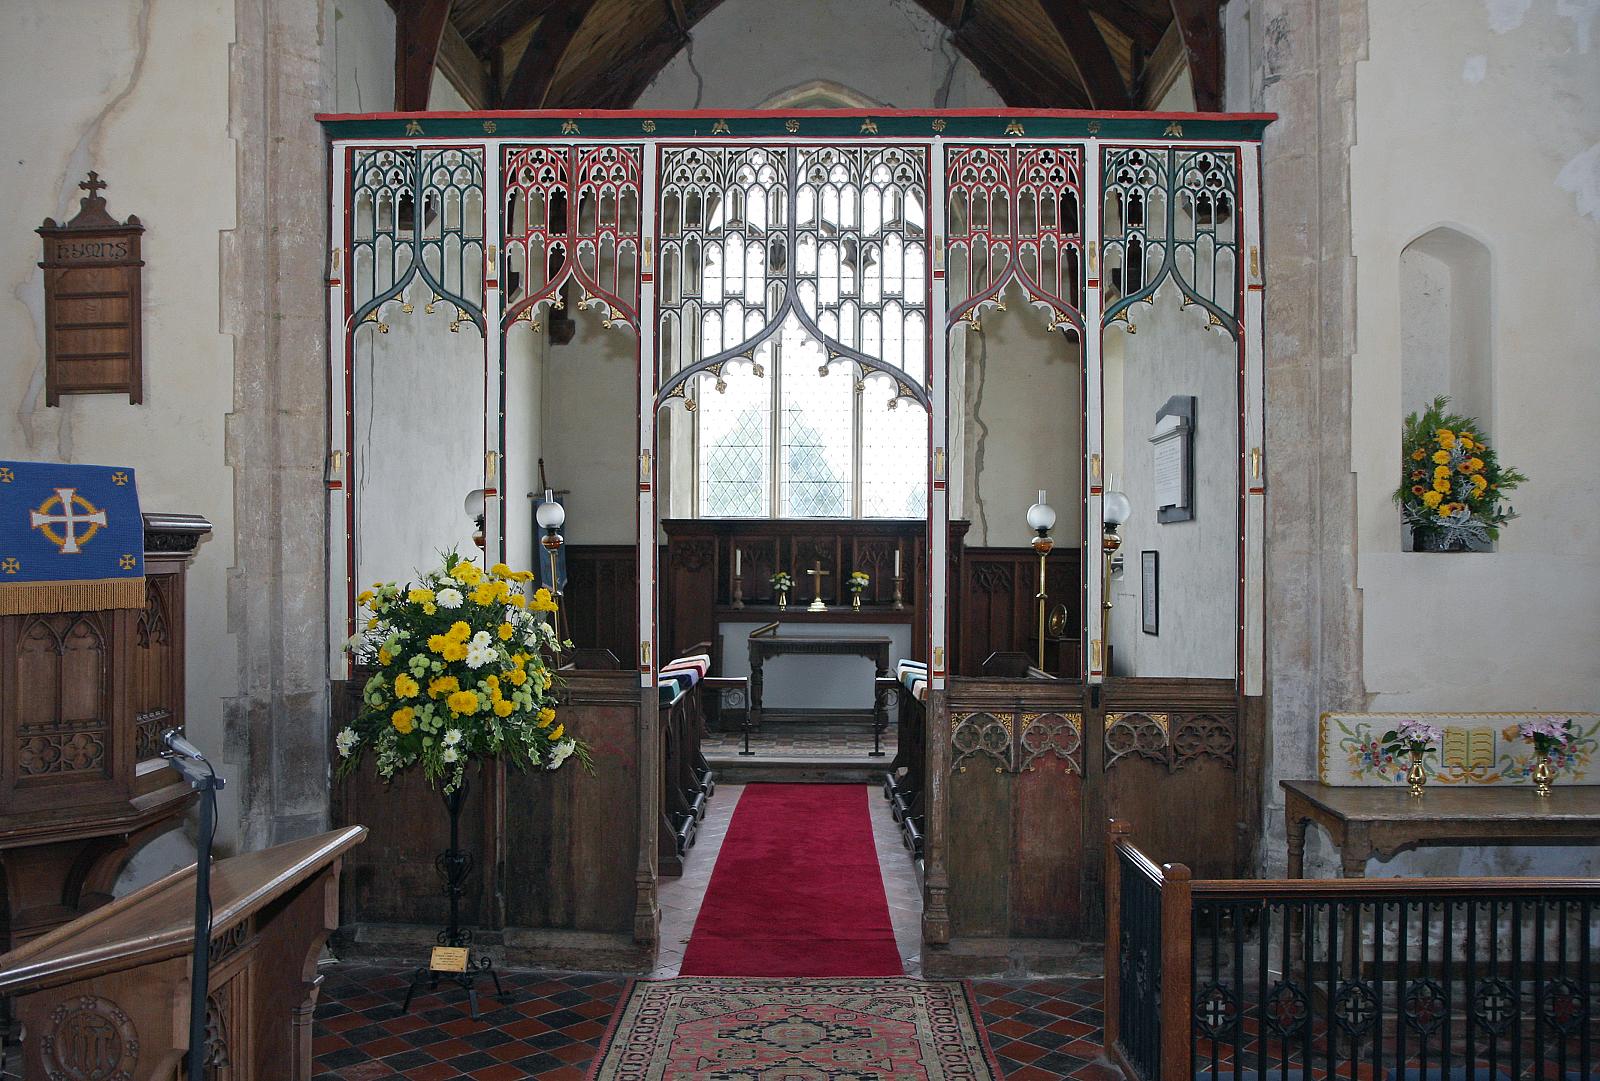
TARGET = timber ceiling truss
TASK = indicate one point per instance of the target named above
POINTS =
(569, 54)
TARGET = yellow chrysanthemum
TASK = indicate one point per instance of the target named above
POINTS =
(384, 657)
(1418, 454)
(462, 702)
(542, 601)
(1480, 482)
(454, 651)
(519, 659)
(467, 574)
(517, 677)
(459, 631)
(506, 631)
(372, 623)
(517, 600)
(546, 715)
(443, 685)
(405, 686)
(522, 576)
(419, 596)
(1441, 456)
(503, 707)
(1431, 498)
(364, 596)
(429, 608)
(556, 732)
(1441, 485)
(500, 570)
(404, 720)
(437, 642)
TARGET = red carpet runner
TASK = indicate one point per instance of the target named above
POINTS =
(796, 890)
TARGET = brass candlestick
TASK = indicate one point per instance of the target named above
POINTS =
(738, 591)
(899, 583)
(1042, 544)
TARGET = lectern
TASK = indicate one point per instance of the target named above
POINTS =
(107, 995)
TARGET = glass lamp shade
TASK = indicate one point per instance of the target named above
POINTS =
(550, 514)
(1041, 516)
(473, 504)
(1115, 509)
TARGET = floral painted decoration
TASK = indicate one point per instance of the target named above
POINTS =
(1452, 484)
(857, 582)
(459, 672)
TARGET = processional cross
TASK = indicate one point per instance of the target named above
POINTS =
(817, 573)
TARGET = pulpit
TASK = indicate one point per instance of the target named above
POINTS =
(107, 995)
(84, 698)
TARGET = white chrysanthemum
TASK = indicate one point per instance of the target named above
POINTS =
(450, 754)
(478, 656)
(560, 753)
(482, 638)
(354, 642)
(448, 597)
(452, 737)
(346, 742)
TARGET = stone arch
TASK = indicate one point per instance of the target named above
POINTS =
(1447, 323)
(819, 94)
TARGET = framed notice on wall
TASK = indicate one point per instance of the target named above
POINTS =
(1150, 590)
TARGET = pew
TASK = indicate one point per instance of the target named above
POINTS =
(686, 780)
(107, 995)
(905, 780)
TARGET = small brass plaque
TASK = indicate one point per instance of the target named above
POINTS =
(448, 959)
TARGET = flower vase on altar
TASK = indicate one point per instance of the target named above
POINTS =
(459, 676)
(1551, 738)
(1414, 738)
(781, 585)
(857, 584)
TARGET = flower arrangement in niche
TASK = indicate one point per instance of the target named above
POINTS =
(458, 673)
(1452, 484)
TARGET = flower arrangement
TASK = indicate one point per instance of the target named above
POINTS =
(1410, 736)
(459, 673)
(782, 582)
(858, 581)
(1550, 737)
(1452, 483)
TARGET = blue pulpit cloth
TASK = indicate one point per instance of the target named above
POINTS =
(71, 538)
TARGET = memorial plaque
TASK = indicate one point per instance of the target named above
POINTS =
(92, 303)
(448, 959)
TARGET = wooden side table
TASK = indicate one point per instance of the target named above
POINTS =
(1368, 822)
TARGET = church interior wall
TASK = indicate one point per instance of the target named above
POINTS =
(1174, 353)
(146, 105)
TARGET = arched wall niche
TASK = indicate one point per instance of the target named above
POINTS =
(819, 94)
(1447, 323)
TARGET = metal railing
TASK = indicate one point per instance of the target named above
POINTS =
(1450, 979)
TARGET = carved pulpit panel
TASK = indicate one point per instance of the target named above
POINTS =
(92, 302)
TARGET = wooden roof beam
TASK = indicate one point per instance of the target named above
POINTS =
(466, 70)
(1097, 69)
(418, 30)
(1200, 24)
(508, 21)
(536, 71)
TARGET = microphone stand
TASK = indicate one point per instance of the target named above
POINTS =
(207, 783)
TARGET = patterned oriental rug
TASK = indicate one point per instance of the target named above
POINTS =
(752, 1029)
(797, 890)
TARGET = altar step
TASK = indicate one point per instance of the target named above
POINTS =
(774, 769)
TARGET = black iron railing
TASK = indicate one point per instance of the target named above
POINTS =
(1377, 979)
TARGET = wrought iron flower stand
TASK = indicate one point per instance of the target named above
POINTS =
(454, 866)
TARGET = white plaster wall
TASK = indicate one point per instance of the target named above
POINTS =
(143, 100)
(1484, 117)
(1501, 113)
(747, 51)
(1174, 353)
(1021, 425)
(590, 400)
(363, 50)
(526, 352)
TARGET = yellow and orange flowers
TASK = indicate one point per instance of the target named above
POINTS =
(1459, 505)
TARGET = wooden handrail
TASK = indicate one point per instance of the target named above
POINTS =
(1267, 889)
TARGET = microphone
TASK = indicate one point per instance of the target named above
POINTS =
(175, 742)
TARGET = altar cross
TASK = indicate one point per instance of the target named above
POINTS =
(817, 574)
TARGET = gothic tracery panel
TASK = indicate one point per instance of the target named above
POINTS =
(416, 214)
(1171, 212)
(572, 213)
(1014, 213)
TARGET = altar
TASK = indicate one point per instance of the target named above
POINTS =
(874, 647)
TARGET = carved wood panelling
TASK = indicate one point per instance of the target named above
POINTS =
(598, 603)
(63, 717)
(1017, 741)
(1172, 739)
(996, 608)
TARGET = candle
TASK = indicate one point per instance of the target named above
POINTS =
(549, 496)
(1041, 495)
(897, 562)
(738, 561)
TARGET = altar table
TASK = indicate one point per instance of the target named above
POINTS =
(874, 648)
(1364, 822)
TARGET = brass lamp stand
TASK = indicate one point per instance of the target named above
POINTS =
(551, 516)
(1041, 517)
(1115, 510)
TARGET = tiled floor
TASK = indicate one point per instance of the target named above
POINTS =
(552, 1025)
(803, 739)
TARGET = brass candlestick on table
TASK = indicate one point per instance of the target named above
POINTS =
(899, 582)
(738, 578)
